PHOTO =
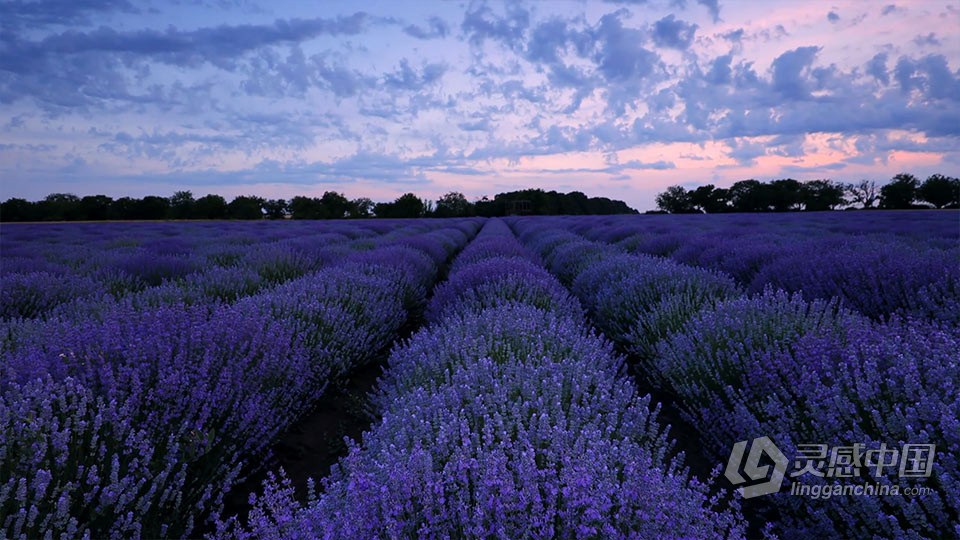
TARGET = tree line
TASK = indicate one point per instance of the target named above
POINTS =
(332, 205)
(786, 195)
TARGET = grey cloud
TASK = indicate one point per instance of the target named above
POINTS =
(340, 80)
(746, 152)
(720, 71)
(640, 165)
(790, 70)
(218, 45)
(482, 23)
(929, 40)
(33, 14)
(673, 33)
(877, 68)
(480, 124)
(735, 35)
(546, 41)
(713, 6)
(407, 78)
(74, 69)
(437, 28)
(621, 55)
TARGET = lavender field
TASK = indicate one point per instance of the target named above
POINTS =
(536, 377)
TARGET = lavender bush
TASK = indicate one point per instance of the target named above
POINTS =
(487, 434)
(497, 280)
(507, 421)
(645, 299)
(197, 390)
(30, 294)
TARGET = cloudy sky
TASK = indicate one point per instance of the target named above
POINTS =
(617, 99)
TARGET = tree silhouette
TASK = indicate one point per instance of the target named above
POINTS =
(748, 196)
(16, 209)
(782, 195)
(151, 207)
(818, 195)
(95, 207)
(246, 207)
(181, 205)
(453, 204)
(335, 204)
(307, 208)
(676, 200)
(124, 208)
(864, 192)
(407, 205)
(940, 191)
(210, 207)
(59, 207)
(275, 208)
(360, 208)
(900, 192)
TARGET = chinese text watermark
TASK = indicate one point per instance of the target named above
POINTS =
(744, 468)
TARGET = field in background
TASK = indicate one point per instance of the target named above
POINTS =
(542, 377)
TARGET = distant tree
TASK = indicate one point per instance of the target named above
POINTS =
(407, 205)
(210, 207)
(676, 200)
(335, 205)
(307, 208)
(453, 204)
(940, 191)
(246, 207)
(710, 199)
(864, 192)
(573, 203)
(18, 210)
(124, 208)
(485, 207)
(275, 208)
(748, 196)
(605, 206)
(818, 195)
(782, 195)
(540, 202)
(59, 207)
(152, 207)
(360, 208)
(383, 210)
(719, 201)
(181, 205)
(701, 198)
(95, 207)
(901, 192)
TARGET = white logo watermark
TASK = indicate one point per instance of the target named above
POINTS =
(822, 461)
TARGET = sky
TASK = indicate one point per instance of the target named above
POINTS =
(374, 99)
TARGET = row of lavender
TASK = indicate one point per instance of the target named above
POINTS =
(60, 269)
(136, 422)
(507, 417)
(877, 263)
(744, 365)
